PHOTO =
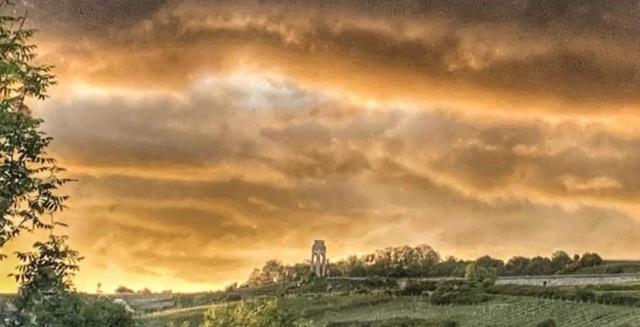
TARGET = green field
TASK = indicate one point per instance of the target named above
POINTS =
(361, 310)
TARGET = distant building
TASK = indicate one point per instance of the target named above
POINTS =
(319, 258)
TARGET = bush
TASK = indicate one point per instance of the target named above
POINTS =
(262, 313)
(457, 293)
(476, 273)
(74, 310)
(416, 287)
(106, 313)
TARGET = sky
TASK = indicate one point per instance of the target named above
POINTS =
(210, 136)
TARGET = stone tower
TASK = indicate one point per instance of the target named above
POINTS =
(319, 258)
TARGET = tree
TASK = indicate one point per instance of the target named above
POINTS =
(471, 272)
(539, 266)
(44, 281)
(449, 267)
(489, 262)
(355, 267)
(272, 272)
(477, 273)
(428, 258)
(590, 259)
(28, 177)
(124, 290)
(560, 260)
(29, 196)
(105, 313)
(517, 266)
(46, 296)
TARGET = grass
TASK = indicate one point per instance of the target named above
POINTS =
(382, 304)
(377, 310)
(612, 267)
(395, 322)
(502, 311)
(194, 315)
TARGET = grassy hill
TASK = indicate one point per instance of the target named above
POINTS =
(381, 303)
(371, 310)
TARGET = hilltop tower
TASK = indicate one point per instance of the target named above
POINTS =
(319, 258)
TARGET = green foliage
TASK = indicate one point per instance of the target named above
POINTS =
(28, 180)
(560, 260)
(457, 292)
(590, 259)
(424, 261)
(331, 309)
(584, 295)
(104, 313)
(470, 272)
(29, 196)
(44, 278)
(483, 274)
(46, 298)
(488, 262)
(618, 299)
(394, 322)
(67, 309)
(416, 287)
(536, 291)
(261, 313)
(605, 294)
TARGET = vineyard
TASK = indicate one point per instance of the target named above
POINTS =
(507, 311)
(366, 309)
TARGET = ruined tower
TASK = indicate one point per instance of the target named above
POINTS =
(319, 258)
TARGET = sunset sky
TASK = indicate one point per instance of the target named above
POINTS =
(211, 136)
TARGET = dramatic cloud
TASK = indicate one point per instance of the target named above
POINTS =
(531, 54)
(208, 137)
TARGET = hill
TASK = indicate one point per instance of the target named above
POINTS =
(381, 302)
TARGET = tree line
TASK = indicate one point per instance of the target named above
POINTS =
(422, 261)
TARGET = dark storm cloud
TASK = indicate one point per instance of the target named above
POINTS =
(91, 15)
(528, 53)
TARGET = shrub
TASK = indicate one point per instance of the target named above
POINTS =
(73, 310)
(457, 293)
(261, 313)
(476, 273)
(106, 313)
(416, 287)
